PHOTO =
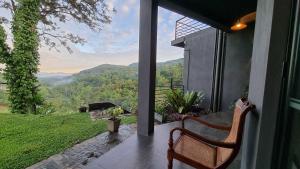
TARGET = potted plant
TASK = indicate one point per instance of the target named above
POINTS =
(113, 122)
(160, 112)
(181, 102)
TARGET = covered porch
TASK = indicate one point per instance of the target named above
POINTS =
(147, 149)
(150, 152)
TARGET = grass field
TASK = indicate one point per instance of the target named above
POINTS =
(28, 139)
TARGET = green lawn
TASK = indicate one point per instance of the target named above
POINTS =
(28, 139)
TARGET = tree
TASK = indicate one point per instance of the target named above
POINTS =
(93, 13)
(21, 63)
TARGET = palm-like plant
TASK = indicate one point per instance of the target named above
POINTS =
(181, 102)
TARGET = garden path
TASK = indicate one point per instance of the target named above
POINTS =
(81, 154)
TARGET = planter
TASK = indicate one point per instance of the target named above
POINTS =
(175, 116)
(83, 109)
(113, 125)
(159, 117)
(196, 110)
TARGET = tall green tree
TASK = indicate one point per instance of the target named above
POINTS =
(21, 64)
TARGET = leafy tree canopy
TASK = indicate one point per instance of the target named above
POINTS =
(92, 13)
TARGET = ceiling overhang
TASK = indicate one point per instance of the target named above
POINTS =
(221, 14)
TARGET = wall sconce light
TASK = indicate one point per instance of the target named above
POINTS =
(243, 21)
(238, 26)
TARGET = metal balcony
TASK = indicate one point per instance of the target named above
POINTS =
(186, 26)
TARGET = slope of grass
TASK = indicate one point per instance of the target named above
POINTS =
(28, 139)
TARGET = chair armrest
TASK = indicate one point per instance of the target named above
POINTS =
(200, 138)
(219, 127)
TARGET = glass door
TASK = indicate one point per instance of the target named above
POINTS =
(293, 128)
(291, 135)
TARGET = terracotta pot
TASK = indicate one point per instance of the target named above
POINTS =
(113, 125)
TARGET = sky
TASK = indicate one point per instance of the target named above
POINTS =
(117, 43)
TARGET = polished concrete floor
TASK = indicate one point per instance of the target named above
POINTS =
(141, 152)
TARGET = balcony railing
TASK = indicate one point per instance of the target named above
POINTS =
(186, 26)
(160, 91)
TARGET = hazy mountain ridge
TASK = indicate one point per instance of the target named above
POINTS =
(100, 69)
(56, 74)
(65, 78)
(166, 63)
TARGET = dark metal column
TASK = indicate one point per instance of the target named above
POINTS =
(147, 66)
(218, 71)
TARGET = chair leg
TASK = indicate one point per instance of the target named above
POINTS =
(170, 164)
(170, 159)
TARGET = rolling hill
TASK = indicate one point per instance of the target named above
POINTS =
(54, 79)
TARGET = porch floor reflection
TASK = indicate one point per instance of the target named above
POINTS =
(141, 152)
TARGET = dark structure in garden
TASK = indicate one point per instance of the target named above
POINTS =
(103, 106)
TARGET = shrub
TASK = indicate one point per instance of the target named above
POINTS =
(45, 109)
(182, 102)
(161, 108)
(115, 112)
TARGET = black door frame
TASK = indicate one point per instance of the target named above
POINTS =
(283, 133)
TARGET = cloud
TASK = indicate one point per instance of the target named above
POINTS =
(110, 4)
(131, 2)
(86, 48)
(160, 19)
(117, 43)
(125, 9)
(72, 63)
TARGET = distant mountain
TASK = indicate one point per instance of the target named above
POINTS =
(64, 78)
(133, 64)
(55, 78)
(100, 69)
(48, 75)
(170, 62)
